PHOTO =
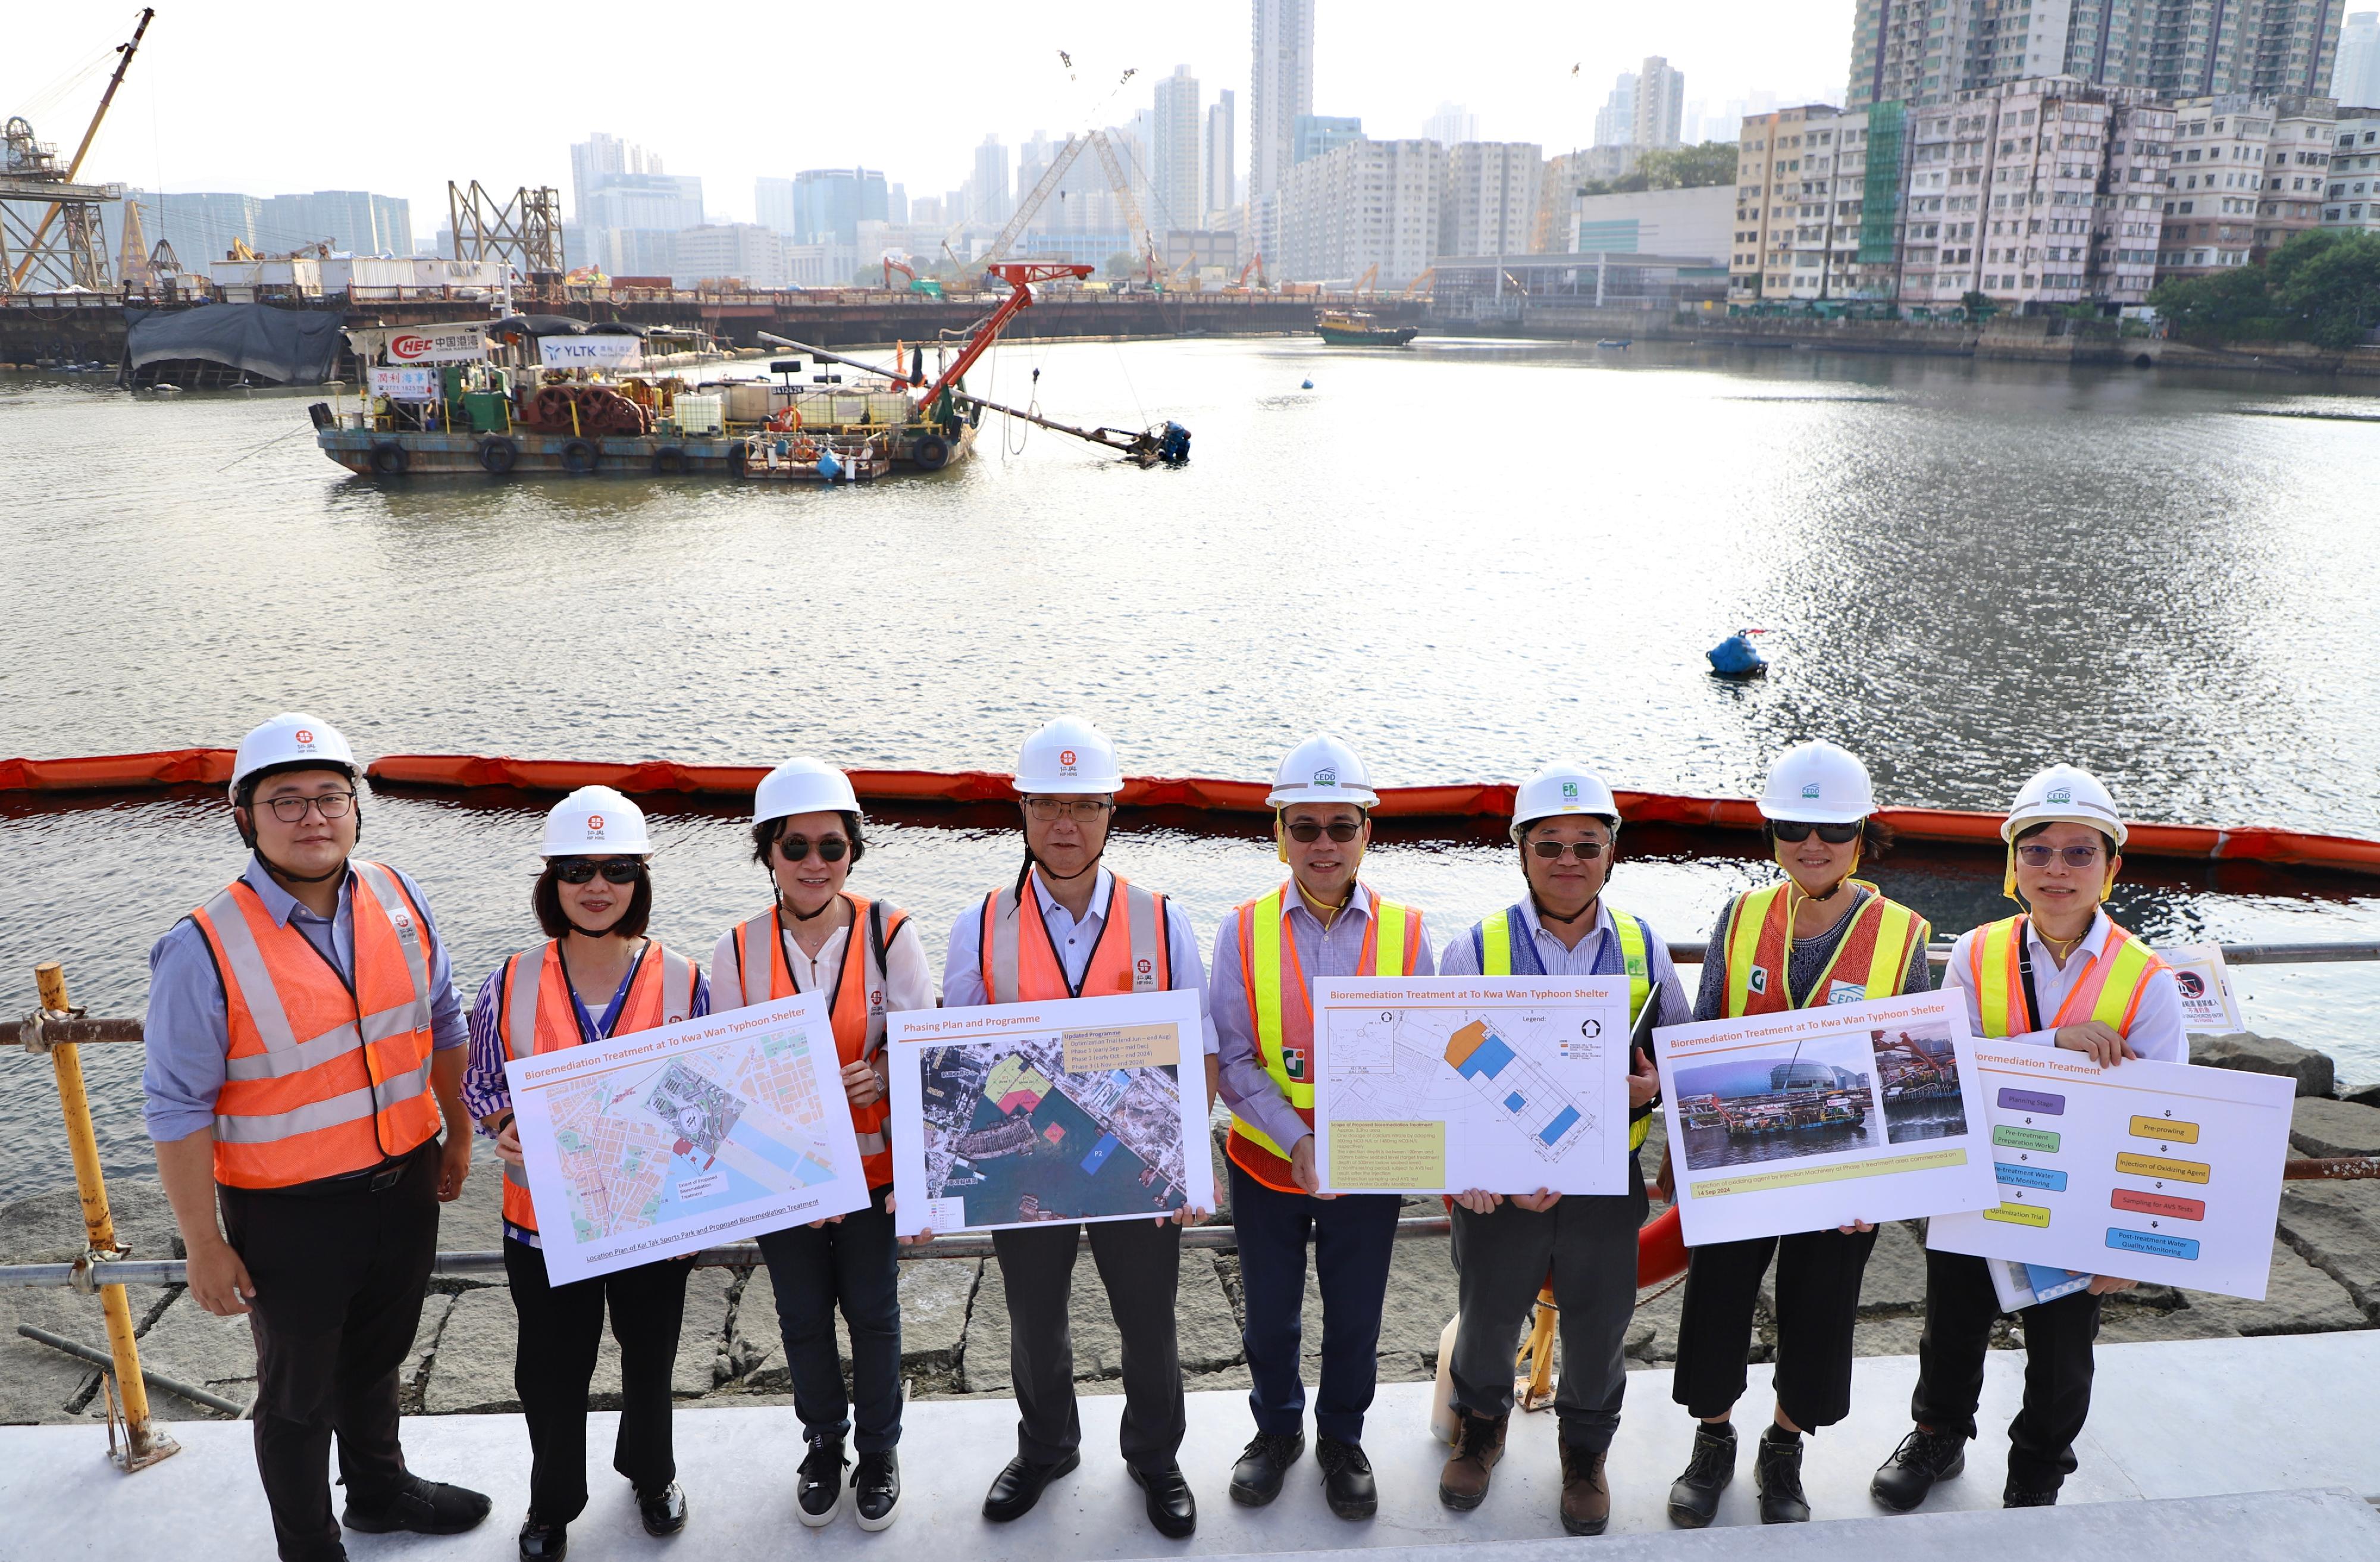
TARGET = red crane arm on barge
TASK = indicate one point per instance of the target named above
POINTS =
(1020, 275)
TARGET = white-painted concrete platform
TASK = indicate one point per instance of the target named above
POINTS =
(2282, 1416)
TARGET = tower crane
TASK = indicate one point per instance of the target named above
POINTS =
(77, 213)
(1096, 142)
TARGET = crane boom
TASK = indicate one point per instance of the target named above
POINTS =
(32, 251)
(1031, 205)
(1134, 223)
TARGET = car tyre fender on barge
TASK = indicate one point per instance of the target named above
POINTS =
(580, 455)
(670, 461)
(931, 452)
(498, 455)
(389, 458)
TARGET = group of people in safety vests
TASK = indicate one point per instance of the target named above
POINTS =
(307, 1046)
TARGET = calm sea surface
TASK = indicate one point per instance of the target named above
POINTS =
(1466, 559)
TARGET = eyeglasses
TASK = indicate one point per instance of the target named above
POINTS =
(1798, 830)
(330, 805)
(582, 870)
(2038, 856)
(830, 849)
(1307, 830)
(1551, 851)
(1084, 809)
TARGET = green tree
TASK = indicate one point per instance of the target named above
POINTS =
(1122, 264)
(1978, 305)
(1672, 167)
(2324, 287)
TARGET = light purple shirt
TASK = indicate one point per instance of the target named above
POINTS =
(1253, 1094)
(963, 966)
(187, 1031)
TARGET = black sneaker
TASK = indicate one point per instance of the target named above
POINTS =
(2014, 1495)
(1255, 1480)
(1923, 1458)
(818, 1489)
(1693, 1497)
(421, 1508)
(1777, 1475)
(541, 1542)
(1347, 1482)
(876, 1489)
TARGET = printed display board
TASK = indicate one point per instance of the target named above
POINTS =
(1815, 1117)
(438, 343)
(2208, 1005)
(670, 1141)
(405, 384)
(604, 352)
(2161, 1172)
(1440, 1084)
(1077, 1110)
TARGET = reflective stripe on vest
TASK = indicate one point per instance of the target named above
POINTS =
(856, 1008)
(1282, 1012)
(1021, 962)
(1875, 948)
(2109, 990)
(320, 1079)
(1493, 941)
(537, 1016)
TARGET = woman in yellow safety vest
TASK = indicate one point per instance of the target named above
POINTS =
(1819, 936)
(597, 976)
(2061, 975)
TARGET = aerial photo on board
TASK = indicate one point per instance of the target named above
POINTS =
(1017, 1138)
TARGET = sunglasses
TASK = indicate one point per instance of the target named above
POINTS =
(1306, 830)
(2041, 856)
(830, 849)
(582, 870)
(1795, 830)
(1551, 851)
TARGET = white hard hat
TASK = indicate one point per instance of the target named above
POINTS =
(2064, 793)
(1322, 769)
(290, 739)
(1560, 789)
(595, 821)
(803, 786)
(1069, 757)
(1819, 783)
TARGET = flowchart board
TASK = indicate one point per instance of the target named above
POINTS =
(1812, 1118)
(1440, 1084)
(2161, 1172)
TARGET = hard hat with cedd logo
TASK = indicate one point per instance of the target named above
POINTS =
(1068, 757)
(1562, 788)
(803, 786)
(1322, 769)
(595, 821)
(2064, 793)
(1818, 783)
(290, 740)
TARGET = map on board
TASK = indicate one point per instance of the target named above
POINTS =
(669, 1140)
(1068, 1111)
(1439, 1084)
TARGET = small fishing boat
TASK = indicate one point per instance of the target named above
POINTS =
(1352, 329)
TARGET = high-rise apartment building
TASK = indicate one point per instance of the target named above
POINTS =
(2351, 199)
(600, 158)
(1364, 204)
(2229, 198)
(1658, 114)
(1819, 205)
(1222, 159)
(352, 220)
(751, 254)
(1451, 126)
(1281, 87)
(1926, 56)
(1173, 153)
(1615, 122)
(988, 189)
(2355, 79)
(1311, 135)
(1488, 205)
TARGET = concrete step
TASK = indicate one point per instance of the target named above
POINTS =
(2172, 1424)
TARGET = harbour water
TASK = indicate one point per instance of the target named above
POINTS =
(1466, 557)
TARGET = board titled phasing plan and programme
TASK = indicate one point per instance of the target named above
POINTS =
(1443, 1085)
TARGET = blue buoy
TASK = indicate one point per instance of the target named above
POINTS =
(1307, 385)
(1736, 657)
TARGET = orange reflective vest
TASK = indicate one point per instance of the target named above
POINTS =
(1281, 1011)
(535, 1014)
(324, 1076)
(856, 1006)
(2109, 989)
(1020, 961)
(1873, 957)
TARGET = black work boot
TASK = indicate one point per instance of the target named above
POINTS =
(1777, 1473)
(1347, 1483)
(2015, 1495)
(1923, 1458)
(1693, 1497)
(1255, 1480)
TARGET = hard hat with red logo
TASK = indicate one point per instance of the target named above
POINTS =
(1068, 758)
(1559, 789)
(595, 821)
(1322, 769)
(803, 786)
(292, 740)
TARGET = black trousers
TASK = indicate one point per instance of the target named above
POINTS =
(339, 1280)
(561, 1330)
(1818, 1277)
(1354, 1237)
(1959, 1308)
(1502, 1260)
(854, 1263)
(1140, 1264)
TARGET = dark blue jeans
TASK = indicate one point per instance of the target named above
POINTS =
(853, 1266)
(1354, 1235)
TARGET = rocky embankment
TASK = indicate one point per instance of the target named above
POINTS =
(954, 1322)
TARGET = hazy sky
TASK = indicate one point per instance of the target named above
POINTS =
(267, 98)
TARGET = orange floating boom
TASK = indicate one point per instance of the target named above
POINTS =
(1482, 799)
